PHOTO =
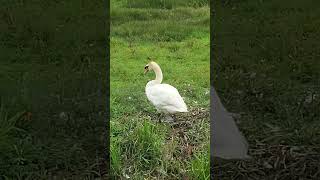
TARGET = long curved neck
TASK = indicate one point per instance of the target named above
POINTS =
(158, 73)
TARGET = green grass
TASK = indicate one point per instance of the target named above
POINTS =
(162, 4)
(141, 146)
(199, 166)
(53, 66)
(7, 128)
(266, 66)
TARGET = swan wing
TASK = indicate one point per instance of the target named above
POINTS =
(166, 97)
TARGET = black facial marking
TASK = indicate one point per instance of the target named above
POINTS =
(146, 67)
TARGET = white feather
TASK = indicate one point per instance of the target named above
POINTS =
(164, 97)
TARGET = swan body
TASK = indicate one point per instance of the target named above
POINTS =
(164, 97)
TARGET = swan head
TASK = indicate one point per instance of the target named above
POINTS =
(150, 66)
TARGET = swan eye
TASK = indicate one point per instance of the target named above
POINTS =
(146, 67)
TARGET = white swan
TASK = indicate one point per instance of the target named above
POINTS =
(164, 97)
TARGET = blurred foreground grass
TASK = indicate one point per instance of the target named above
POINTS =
(52, 65)
(267, 68)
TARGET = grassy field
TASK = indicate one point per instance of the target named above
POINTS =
(53, 87)
(176, 35)
(52, 66)
(266, 68)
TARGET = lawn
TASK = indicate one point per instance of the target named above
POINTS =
(266, 68)
(52, 66)
(176, 35)
(53, 87)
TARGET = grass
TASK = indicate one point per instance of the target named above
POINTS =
(141, 146)
(199, 165)
(7, 127)
(53, 68)
(267, 70)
